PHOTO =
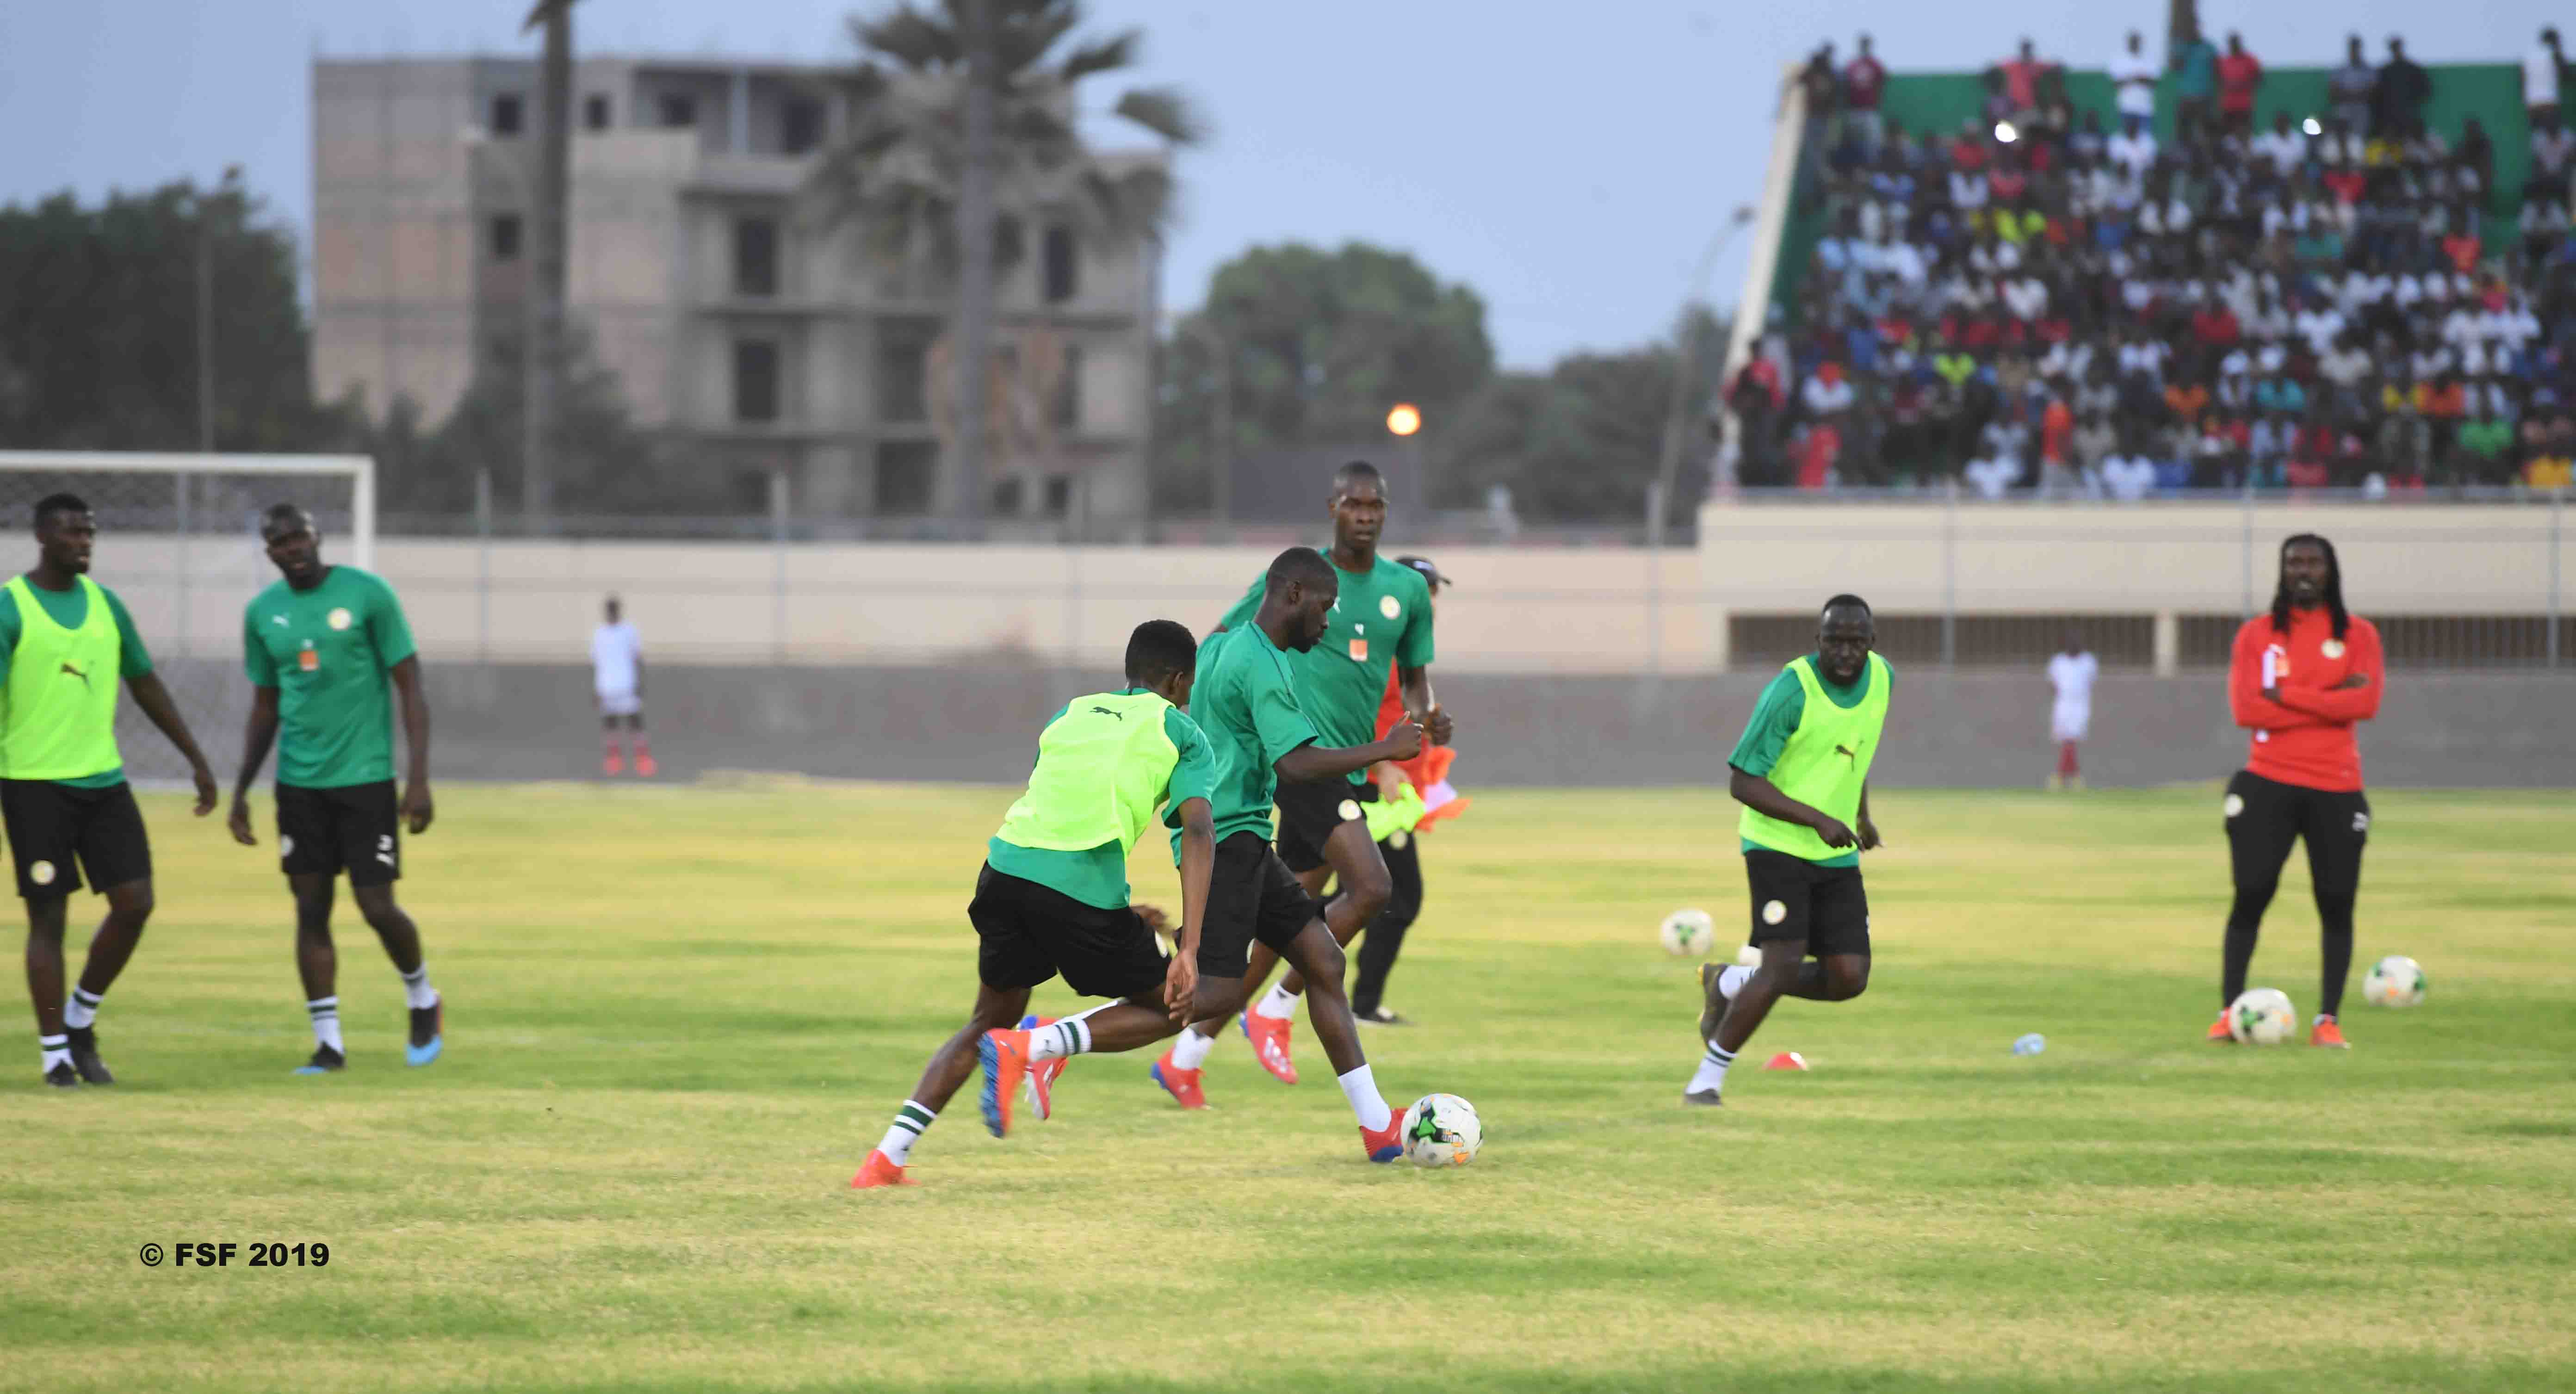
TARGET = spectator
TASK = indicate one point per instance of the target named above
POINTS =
(2195, 62)
(2134, 148)
(2284, 148)
(2351, 89)
(2095, 442)
(2398, 99)
(2240, 74)
(2552, 154)
(2134, 74)
(2021, 76)
(2129, 475)
(1818, 451)
(1827, 394)
(1864, 82)
(1822, 87)
(2540, 70)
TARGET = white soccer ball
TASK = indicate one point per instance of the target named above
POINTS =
(2262, 1016)
(2394, 981)
(1442, 1130)
(1689, 932)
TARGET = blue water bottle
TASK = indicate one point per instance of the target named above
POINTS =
(2031, 1044)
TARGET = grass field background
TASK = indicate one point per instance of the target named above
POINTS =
(679, 1017)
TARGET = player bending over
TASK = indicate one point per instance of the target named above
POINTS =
(1802, 773)
(1053, 897)
(1379, 624)
(322, 647)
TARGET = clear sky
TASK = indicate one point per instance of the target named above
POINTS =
(1568, 161)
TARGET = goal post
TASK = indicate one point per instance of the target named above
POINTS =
(178, 541)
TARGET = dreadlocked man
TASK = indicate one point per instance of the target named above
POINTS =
(2300, 678)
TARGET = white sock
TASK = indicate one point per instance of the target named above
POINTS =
(1191, 1049)
(325, 1012)
(52, 1051)
(1067, 1037)
(1279, 1004)
(82, 1009)
(1360, 1087)
(1731, 980)
(907, 1130)
(416, 987)
(1712, 1070)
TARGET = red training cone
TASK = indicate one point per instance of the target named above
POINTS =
(1786, 1060)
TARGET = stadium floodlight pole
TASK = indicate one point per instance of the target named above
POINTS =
(1686, 366)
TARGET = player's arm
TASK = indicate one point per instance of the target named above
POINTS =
(1198, 866)
(1758, 793)
(258, 734)
(1421, 706)
(1868, 830)
(2356, 698)
(1775, 716)
(1310, 762)
(2257, 705)
(135, 663)
(414, 702)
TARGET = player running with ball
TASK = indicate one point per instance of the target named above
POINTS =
(2300, 677)
(1802, 773)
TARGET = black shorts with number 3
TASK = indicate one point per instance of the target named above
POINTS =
(1794, 898)
(58, 831)
(1251, 895)
(1311, 812)
(356, 828)
(2264, 816)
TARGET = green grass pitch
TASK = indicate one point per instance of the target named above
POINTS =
(680, 1017)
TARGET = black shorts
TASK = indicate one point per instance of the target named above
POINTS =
(2264, 816)
(1251, 895)
(52, 825)
(1309, 812)
(356, 828)
(1031, 933)
(1794, 898)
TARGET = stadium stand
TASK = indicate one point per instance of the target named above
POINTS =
(2143, 280)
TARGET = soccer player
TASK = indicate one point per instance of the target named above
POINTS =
(617, 678)
(320, 646)
(1428, 776)
(1801, 771)
(1053, 895)
(64, 642)
(1380, 623)
(2300, 677)
(2071, 672)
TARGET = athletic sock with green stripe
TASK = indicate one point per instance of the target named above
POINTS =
(907, 1129)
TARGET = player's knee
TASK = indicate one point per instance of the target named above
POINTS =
(131, 903)
(1847, 980)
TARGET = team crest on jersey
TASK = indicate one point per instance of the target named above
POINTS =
(2331, 648)
(1773, 912)
(2361, 822)
(340, 618)
(1389, 607)
(2234, 805)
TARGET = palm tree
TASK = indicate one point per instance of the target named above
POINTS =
(962, 131)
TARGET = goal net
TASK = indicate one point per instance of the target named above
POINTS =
(178, 541)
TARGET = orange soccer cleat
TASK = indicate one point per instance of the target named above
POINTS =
(1387, 1143)
(2326, 1033)
(1182, 1085)
(1042, 1074)
(614, 762)
(1269, 1037)
(2220, 1033)
(1005, 1056)
(644, 764)
(879, 1170)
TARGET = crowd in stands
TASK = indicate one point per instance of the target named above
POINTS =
(2039, 300)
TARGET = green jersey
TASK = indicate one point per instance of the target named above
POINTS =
(1105, 763)
(1382, 621)
(1781, 745)
(62, 639)
(1247, 703)
(327, 652)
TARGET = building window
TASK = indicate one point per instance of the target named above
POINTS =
(1007, 494)
(755, 256)
(594, 112)
(1067, 407)
(679, 109)
(505, 114)
(1059, 494)
(800, 125)
(1062, 278)
(505, 237)
(755, 380)
(903, 393)
(907, 471)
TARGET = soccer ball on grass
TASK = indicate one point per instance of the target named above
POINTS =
(1689, 933)
(2394, 981)
(1442, 1130)
(2262, 1016)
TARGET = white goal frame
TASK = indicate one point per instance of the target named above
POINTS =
(359, 469)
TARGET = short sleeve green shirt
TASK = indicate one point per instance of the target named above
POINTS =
(1247, 702)
(1776, 715)
(1380, 622)
(70, 609)
(1098, 875)
(328, 652)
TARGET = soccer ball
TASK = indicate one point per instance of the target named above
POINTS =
(1689, 932)
(2262, 1016)
(2394, 981)
(1442, 1130)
